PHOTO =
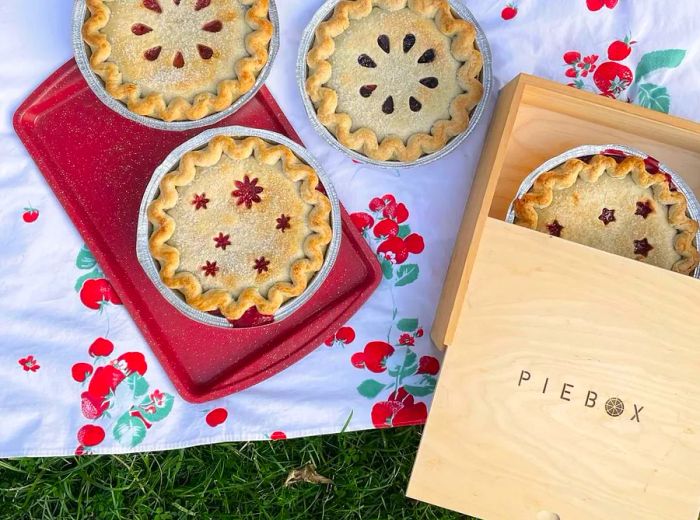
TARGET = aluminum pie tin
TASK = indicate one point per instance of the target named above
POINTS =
(612, 150)
(486, 78)
(81, 50)
(150, 265)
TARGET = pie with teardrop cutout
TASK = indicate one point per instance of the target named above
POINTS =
(394, 79)
(178, 60)
(616, 205)
(240, 223)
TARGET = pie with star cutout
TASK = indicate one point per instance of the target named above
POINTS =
(240, 223)
(394, 79)
(616, 205)
(178, 60)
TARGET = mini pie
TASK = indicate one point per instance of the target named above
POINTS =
(240, 223)
(394, 79)
(178, 59)
(616, 206)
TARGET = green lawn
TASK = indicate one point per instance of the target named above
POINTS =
(370, 472)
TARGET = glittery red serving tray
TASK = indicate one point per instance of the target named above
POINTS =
(98, 164)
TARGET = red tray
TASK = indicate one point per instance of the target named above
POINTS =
(98, 164)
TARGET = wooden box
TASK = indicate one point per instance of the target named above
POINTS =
(571, 386)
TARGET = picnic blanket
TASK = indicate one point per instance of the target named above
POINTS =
(76, 375)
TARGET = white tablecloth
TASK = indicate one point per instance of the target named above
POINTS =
(51, 338)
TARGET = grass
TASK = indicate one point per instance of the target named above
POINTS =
(370, 471)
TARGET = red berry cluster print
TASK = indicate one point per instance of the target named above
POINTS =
(613, 77)
(397, 377)
(387, 230)
(95, 291)
(116, 397)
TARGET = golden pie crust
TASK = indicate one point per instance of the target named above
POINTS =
(239, 224)
(178, 60)
(616, 206)
(415, 92)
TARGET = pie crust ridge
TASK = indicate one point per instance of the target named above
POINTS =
(565, 175)
(301, 270)
(204, 103)
(365, 140)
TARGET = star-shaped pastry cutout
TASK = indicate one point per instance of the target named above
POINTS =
(210, 269)
(283, 222)
(643, 209)
(607, 216)
(222, 241)
(247, 192)
(642, 247)
(200, 201)
(261, 265)
(555, 229)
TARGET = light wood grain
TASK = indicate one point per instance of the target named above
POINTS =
(535, 120)
(595, 321)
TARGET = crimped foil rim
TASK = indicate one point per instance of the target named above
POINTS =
(149, 265)
(80, 50)
(586, 150)
(486, 79)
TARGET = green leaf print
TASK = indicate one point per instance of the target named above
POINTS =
(655, 97)
(94, 274)
(138, 385)
(85, 259)
(404, 230)
(129, 431)
(407, 368)
(658, 60)
(407, 324)
(370, 388)
(161, 412)
(426, 387)
(407, 273)
(387, 268)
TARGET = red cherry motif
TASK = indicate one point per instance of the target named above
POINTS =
(612, 78)
(81, 371)
(30, 214)
(428, 365)
(278, 436)
(216, 417)
(90, 435)
(396, 249)
(101, 347)
(386, 228)
(97, 292)
(363, 221)
(620, 50)
(509, 12)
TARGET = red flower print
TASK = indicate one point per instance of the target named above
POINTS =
(81, 371)
(278, 436)
(374, 356)
(29, 364)
(386, 228)
(396, 250)
(428, 365)
(407, 339)
(210, 269)
(90, 435)
(30, 214)
(98, 292)
(261, 265)
(222, 241)
(597, 5)
(363, 221)
(200, 201)
(216, 417)
(247, 192)
(283, 222)
(509, 12)
(101, 347)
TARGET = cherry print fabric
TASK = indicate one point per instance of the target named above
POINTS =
(79, 379)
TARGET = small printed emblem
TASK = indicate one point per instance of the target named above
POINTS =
(614, 407)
